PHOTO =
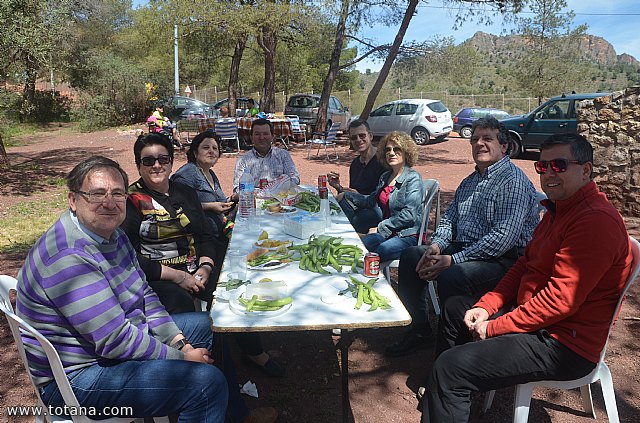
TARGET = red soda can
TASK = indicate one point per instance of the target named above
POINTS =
(371, 265)
(323, 192)
(263, 183)
(322, 181)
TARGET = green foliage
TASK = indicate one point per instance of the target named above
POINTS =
(115, 92)
(549, 62)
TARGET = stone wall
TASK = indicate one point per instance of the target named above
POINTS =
(612, 125)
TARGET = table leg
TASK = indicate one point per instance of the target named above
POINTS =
(343, 345)
(218, 355)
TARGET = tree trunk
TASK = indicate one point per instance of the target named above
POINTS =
(28, 95)
(238, 51)
(334, 66)
(393, 52)
(268, 43)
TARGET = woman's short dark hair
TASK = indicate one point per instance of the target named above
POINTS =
(197, 140)
(79, 173)
(154, 138)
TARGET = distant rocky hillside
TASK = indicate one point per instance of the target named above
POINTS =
(594, 48)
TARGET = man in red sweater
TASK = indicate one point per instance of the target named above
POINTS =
(548, 318)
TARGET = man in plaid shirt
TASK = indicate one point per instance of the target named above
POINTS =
(482, 233)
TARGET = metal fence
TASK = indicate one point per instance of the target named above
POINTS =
(355, 100)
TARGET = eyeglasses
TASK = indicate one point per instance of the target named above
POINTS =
(362, 136)
(99, 197)
(150, 160)
(396, 150)
(558, 165)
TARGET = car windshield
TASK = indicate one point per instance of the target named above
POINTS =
(437, 107)
(303, 101)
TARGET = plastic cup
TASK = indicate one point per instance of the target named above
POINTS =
(238, 263)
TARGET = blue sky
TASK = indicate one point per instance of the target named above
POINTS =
(617, 21)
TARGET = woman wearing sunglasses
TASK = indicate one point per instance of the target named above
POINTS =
(176, 245)
(165, 222)
(399, 195)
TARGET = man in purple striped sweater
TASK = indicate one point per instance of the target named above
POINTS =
(81, 286)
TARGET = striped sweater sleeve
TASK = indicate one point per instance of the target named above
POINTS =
(89, 301)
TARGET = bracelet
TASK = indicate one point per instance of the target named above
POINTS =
(183, 278)
(206, 263)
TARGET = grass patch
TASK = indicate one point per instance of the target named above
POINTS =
(27, 221)
(17, 134)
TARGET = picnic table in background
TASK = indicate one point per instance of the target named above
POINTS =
(282, 129)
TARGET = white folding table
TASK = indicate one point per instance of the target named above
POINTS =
(316, 304)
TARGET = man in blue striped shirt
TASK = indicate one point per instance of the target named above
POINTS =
(81, 286)
(482, 233)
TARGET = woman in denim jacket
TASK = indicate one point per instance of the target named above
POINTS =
(399, 195)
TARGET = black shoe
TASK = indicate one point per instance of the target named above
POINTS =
(271, 367)
(410, 343)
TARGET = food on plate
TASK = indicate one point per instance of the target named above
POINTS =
(258, 252)
(265, 280)
(254, 304)
(263, 235)
(274, 208)
(323, 250)
(272, 243)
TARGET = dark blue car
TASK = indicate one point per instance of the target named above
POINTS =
(463, 120)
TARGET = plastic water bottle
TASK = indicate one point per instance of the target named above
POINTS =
(246, 205)
(325, 210)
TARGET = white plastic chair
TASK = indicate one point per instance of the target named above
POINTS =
(601, 372)
(539, 197)
(329, 138)
(227, 129)
(431, 193)
(17, 325)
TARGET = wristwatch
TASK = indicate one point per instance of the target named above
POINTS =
(206, 263)
(179, 345)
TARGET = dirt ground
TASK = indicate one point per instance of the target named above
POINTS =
(382, 390)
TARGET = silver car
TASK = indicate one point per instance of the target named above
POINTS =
(422, 118)
(305, 106)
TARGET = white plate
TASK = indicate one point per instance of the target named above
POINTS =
(236, 307)
(283, 210)
(334, 298)
(275, 266)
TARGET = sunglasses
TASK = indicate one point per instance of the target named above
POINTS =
(558, 165)
(362, 136)
(396, 150)
(150, 160)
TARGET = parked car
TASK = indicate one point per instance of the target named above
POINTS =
(557, 115)
(305, 106)
(242, 104)
(422, 118)
(179, 107)
(465, 117)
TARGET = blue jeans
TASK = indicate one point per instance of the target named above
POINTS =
(388, 249)
(361, 219)
(475, 278)
(198, 392)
